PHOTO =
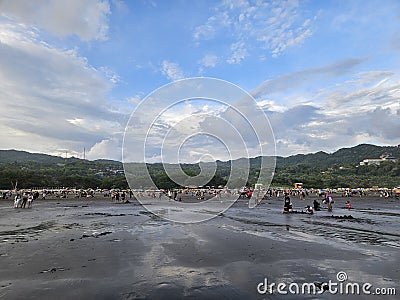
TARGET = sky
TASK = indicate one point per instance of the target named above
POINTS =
(325, 73)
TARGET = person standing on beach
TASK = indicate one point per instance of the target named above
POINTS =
(329, 201)
(24, 200)
(287, 205)
(30, 200)
(17, 199)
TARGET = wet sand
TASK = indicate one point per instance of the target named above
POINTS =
(96, 249)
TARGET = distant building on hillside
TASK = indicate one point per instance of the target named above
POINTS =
(377, 161)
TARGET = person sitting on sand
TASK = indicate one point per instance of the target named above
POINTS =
(316, 205)
(348, 205)
(309, 210)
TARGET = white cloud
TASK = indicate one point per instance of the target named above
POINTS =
(51, 98)
(274, 26)
(371, 77)
(87, 19)
(306, 77)
(198, 123)
(204, 32)
(344, 108)
(363, 108)
(135, 99)
(238, 53)
(270, 105)
(110, 74)
(109, 148)
(208, 30)
(209, 61)
(171, 70)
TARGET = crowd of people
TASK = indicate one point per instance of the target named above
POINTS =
(119, 197)
(327, 200)
(316, 206)
(24, 198)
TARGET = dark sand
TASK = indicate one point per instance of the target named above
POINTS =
(95, 249)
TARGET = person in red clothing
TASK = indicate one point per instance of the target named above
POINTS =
(249, 193)
(348, 205)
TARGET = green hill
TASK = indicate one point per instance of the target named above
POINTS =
(351, 155)
(9, 156)
(320, 169)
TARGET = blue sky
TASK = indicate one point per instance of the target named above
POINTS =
(326, 73)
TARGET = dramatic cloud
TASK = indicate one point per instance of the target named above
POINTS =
(87, 19)
(222, 121)
(362, 108)
(110, 148)
(72, 71)
(51, 99)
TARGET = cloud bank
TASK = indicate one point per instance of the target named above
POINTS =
(86, 19)
(52, 100)
(345, 112)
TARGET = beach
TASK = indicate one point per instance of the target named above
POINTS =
(92, 248)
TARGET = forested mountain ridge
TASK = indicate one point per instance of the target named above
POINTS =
(9, 156)
(352, 155)
(338, 169)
